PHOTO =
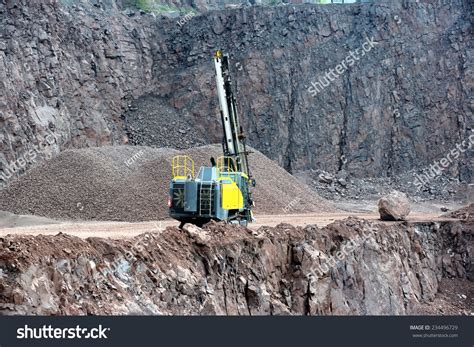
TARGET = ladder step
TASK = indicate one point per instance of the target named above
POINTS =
(205, 205)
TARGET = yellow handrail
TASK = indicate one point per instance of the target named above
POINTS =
(226, 165)
(182, 167)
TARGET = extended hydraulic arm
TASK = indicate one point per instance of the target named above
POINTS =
(234, 138)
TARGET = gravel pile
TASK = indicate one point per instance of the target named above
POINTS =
(130, 183)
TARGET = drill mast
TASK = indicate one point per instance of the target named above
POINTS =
(234, 138)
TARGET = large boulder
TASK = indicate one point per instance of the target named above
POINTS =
(394, 206)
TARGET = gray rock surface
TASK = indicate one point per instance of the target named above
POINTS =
(402, 105)
(394, 206)
(75, 71)
(70, 71)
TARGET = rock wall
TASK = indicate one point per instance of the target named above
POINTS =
(67, 71)
(391, 269)
(75, 71)
(403, 104)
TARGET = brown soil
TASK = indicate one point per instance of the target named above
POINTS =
(466, 212)
(225, 269)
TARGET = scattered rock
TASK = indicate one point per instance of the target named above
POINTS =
(466, 213)
(342, 182)
(447, 189)
(143, 64)
(198, 234)
(394, 206)
(325, 178)
(149, 125)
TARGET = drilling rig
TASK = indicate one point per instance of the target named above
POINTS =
(221, 191)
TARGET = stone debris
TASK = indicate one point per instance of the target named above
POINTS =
(88, 64)
(340, 186)
(466, 212)
(195, 232)
(157, 125)
(131, 183)
(394, 206)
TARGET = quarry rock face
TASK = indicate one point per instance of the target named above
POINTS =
(79, 72)
(378, 117)
(389, 269)
(69, 72)
(394, 206)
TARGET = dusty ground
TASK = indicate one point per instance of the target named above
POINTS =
(58, 267)
(366, 205)
(32, 225)
(10, 220)
(412, 271)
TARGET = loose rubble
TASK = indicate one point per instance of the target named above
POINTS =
(131, 183)
(466, 212)
(88, 64)
(149, 122)
(341, 186)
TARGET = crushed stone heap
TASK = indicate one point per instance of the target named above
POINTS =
(131, 183)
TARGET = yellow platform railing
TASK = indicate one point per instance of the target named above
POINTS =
(182, 167)
(226, 165)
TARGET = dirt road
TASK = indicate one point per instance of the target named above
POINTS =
(123, 229)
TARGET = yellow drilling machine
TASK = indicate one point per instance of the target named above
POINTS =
(221, 191)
